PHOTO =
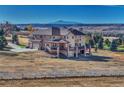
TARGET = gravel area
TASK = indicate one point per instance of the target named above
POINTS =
(58, 74)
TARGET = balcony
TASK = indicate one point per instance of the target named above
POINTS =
(55, 48)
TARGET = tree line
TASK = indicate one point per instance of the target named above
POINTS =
(97, 41)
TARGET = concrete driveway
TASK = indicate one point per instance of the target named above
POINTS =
(17, 48)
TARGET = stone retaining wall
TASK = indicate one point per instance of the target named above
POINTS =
(58, 74)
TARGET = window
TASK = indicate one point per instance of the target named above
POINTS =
(72, 37)
(64, 37)
(47, 44)
(53, 37)
(75, 44)
(80, 44)
(40, 36)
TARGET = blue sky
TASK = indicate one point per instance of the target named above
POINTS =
(46, 14)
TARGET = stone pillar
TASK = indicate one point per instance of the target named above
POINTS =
(84, 49)
(76, 51)
(90, 53)
(40, 45)
(32, 45)
(67, 50)
(45, 47)
(58, 51)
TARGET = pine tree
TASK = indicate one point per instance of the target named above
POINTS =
(100, 43)
(107, 42)
(114, 45)
(3, 41)
(15, 39)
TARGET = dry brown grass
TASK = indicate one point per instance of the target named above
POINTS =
(41, 61)
(66, 82)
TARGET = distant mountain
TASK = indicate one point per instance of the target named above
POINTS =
(58, 23)
(64, 22)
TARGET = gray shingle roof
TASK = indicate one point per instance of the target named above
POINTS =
(76, 32)
(63, 31)
(43, 31)
(48, 31)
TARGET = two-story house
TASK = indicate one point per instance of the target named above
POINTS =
(69, 42)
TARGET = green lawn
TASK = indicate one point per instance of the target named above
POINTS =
(120, 48)
(22, 46)
(106, 47)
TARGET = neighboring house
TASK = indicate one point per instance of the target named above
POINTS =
(69, 42)
(22, 37)
(110, 38)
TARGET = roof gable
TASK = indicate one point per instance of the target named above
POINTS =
(76, 32)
